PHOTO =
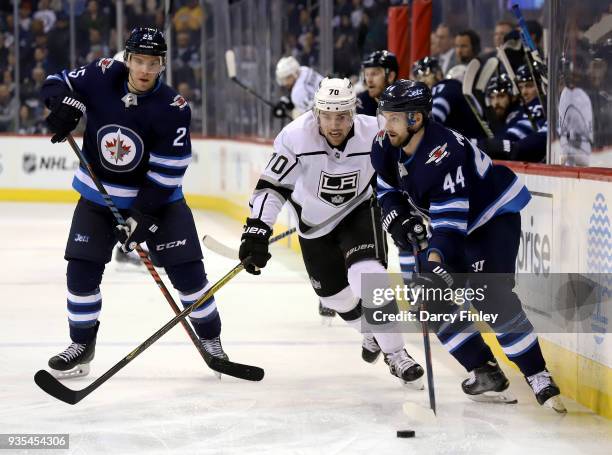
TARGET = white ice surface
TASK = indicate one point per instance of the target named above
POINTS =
(318, 396)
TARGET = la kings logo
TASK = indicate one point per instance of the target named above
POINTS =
(338, 189)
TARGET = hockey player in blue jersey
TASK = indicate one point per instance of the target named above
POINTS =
(473, 207)
(449, 105)
(515, 137)
(137, 141)
(380, 69)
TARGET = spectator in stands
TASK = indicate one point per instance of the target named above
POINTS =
(356, 14)
(309, 53)
(376, 35)
(97, 48)
(8, 109)
(58, 43)
(446, 51)
(40, 59)
(467, 46)
(195, 104)
(186, 61)
(189, 17)
(7, 79)
(92, 18)
(30, 90)
(536, 32)
(45, 14)
(502, 28)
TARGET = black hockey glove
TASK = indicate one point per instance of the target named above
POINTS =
(497, 149)
(137, 229)
(405, 228)
(65, 115)
(283, 108)
(254, 245)
(433, 275)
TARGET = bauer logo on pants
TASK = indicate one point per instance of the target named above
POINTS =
(338, 189)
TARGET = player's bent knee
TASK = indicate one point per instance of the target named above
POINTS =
(342, 302)
(84, 276)
(187, 276)
(356, 271)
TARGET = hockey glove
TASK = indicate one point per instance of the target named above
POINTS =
(433, 275)
(283, 107)
(137, 229)
(405, 229)
(254, 245)
(65, 115)
(497, 149)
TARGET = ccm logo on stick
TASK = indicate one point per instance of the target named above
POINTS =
(167, 246)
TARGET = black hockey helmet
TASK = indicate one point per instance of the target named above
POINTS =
(146, 40)
(406, 95)
(523, 74)
(425, 66)
(381, 59)
(498, 85)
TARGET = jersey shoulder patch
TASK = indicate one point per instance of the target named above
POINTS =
(180, 102)
(438, 153)
(105, 63)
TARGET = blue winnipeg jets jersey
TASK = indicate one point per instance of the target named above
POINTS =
(450, 182)
(366, 105)
(518, 126)
(138, 145)
(451, 109)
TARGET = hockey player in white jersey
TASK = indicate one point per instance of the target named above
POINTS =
(301, 81)
(321, 167)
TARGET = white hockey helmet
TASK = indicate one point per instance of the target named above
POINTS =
(286, 66)
(335, 95)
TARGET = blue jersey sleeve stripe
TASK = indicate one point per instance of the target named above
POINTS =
(165, 161)
(447, 223)
(516, 132)
(442, 104)
(438, 115)
(65, 76)
(381, 183)
(55, 77)
(458, 205)
(165, 181)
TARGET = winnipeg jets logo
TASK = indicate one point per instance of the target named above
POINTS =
(179, 102)
(120, 148)
(105, 64)
(437, 154)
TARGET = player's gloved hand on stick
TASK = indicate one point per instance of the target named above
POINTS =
(65, 115)
(497, 149)
(283, 107)
(433, 275)
(254, 245)
(138, 228)
(405, 228)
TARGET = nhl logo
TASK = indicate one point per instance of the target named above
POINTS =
(338, 189)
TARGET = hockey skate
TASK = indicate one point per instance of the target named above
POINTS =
(488, 383)
(546, 391)
(214, 348)
(327, 314)
(74, 361)
(405, 368)
(370, 351)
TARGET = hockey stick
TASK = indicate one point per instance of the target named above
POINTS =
(56, 389)
(426, 342)
(223, 250)
(531, 51)
(223, 366)
(468, 83)
(230, 63)
(487, 71)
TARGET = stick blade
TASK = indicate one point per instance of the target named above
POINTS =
(237, 370)
(219, 248)
(56, 389)
(470, 76)
(230, 62)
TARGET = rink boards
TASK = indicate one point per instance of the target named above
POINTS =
(565, 228)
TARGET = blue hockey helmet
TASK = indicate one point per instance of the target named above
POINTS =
(381, 59)
(498, 85)
(425, 66)
(523, 74)
(148, 41)
(406, 95)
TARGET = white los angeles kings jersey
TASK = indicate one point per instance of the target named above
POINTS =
(322, 184)
(304, 89)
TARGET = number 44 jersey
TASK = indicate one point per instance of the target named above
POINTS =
(450, 182)
(322, 183)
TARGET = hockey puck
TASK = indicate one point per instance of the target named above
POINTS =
(405, 433)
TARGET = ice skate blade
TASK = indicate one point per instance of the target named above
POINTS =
(373, 361)
(76, 372)
(417, 384)
(555, 404)
(505, 397)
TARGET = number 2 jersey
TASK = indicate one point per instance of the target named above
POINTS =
(137, 145)
(450, 182)
(322, 183)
